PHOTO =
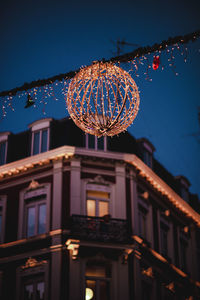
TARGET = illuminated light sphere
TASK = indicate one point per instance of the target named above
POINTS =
(88, 294)
(103, 99)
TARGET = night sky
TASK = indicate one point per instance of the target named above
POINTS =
(40, 39)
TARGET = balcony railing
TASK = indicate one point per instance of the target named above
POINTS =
(99, 229)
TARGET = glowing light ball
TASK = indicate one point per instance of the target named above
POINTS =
(88, 294)
(103, 99)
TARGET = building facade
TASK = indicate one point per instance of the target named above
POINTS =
(84, 218)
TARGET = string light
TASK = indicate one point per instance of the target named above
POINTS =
(42, 90)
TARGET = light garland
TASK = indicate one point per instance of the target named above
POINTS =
(41, 91)
(103, 99)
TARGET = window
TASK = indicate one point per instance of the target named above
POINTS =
(35, 215)
(93, 142)
(97, 203)
(3, 147)
(34, 211)
(2, 217)
(97, 282)
(40, 141)
(142, 216)
(32, 280)
(146, 291)
(147, 157)
(164, 238)
(33, 288)
(40, 136)
(3, 153)
(183, 251)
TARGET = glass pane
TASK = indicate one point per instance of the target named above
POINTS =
(98, 194)
(95, 271)
(2, 153)
(104, 290)
(90, 291)
(91, 208)
(100, 142)
(42, 219)
(30, 221)
(28, 292)
(91, 141)
(36, 142)
(40, 291)
(103, 208)
(44, 140)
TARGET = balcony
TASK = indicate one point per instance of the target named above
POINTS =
(99, 229)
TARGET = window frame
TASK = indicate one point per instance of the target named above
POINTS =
(87, 185)
(95, 143)
(3, 205)
(26, 274)
(4, 139)
(164, 229)
(43, 189)
(97, 201)
(36, 204)
(97, 279)
(142, 213)
(40, 140)
(40, 126)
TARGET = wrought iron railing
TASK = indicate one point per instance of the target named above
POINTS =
(99, 229)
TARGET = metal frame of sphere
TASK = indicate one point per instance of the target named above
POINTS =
(103, 99)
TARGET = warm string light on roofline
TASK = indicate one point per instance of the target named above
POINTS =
(150, 58)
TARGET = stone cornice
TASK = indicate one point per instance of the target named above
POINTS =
(67, 151)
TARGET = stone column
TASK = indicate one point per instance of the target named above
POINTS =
(56, 268)
(134, 203)
(75, 187)
(57, 195)
(120, 195)
(149, 225)
(171, 243)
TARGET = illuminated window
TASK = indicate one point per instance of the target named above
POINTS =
(40, 136)
(93, 142)
(97, 282)
(97, 203)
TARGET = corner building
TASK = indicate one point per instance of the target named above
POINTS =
(84, 218)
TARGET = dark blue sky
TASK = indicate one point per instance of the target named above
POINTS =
(40, 39)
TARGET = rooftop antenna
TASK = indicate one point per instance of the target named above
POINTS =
(120, 44)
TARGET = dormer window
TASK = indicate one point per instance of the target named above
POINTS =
(93, 142)
(147, 150)
(3, 147)
(184, 185)
(40, 136)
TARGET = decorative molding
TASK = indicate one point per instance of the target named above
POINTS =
(170, 287)
(33, 185)
(98, 180)
(73, 245)
(148, 272)
(32, 263)
(125, 255)
(144, 171)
